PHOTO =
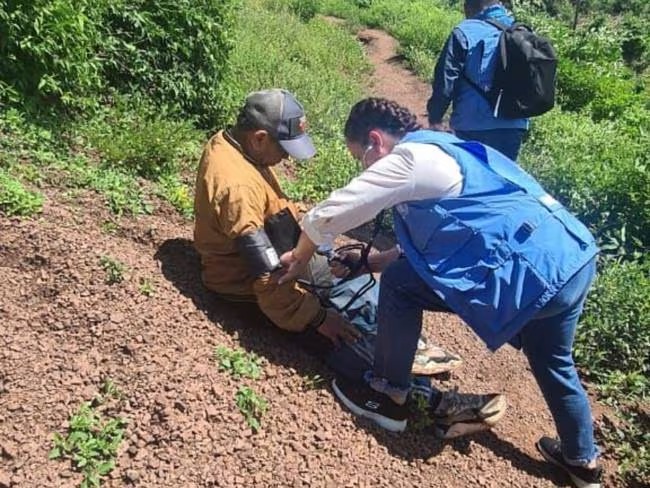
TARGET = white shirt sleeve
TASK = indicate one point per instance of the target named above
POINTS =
(411, 172)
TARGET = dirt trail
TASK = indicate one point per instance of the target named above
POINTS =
(64, 330)
(391, 80)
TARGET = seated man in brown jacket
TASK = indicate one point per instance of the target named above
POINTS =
(237, 199)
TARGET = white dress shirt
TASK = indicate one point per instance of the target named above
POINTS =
(413, 171)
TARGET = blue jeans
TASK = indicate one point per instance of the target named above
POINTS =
(506, 141)
(547, 343)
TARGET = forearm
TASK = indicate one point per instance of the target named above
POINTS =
(379, 261)
(448, 70)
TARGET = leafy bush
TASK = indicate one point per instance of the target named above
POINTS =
(172, 51)
(600, 171)
(613, 340)
(93, 438)
(141, 140)
(304, 9)
(114, 268)
(629, 438)
(50, 48)
(238, 362)
(15, 199)
(178, 194)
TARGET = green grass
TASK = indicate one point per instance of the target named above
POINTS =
(93, 437)
(421, 26)
(238, 363)
(146, 287)
(113, 268)
(252, 406)
(16, 200)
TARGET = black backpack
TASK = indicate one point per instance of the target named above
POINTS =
(524, 77)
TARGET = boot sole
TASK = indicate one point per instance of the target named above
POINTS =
(391, 425)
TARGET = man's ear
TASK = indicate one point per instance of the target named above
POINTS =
(260, 136)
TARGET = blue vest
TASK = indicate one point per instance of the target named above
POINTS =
(498, 252)
(470, 110)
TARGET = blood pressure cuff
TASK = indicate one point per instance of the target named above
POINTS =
(258, 252)
(282, 230)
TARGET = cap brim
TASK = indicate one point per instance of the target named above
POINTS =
(299, 148)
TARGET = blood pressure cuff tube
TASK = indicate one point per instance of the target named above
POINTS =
(282, 230)
(258, 252)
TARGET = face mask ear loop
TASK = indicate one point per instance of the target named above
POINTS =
(365, 154)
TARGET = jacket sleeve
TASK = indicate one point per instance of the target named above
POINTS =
(449, 68)
(288, 306)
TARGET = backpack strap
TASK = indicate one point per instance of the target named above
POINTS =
(502, 48)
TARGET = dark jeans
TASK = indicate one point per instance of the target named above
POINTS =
(547, 343)
(506, 141)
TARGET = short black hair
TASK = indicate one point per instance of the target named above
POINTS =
(478, 5)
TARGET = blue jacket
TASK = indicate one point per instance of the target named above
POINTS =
(472, 49)
(498, 252)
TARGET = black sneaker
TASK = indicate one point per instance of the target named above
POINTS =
(366, 402)
(551, 449)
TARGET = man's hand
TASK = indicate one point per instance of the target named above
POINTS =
(341, 265)
(336, 328)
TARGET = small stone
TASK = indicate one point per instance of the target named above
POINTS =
(8, 450)
(132, 475)
(117, 317)
(211, 413)
(5, 480)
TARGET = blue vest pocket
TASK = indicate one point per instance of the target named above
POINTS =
(501, 294)
(440, 234)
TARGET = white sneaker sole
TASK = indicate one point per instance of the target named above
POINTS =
(383, 422)
(580, 483)
(460, 430)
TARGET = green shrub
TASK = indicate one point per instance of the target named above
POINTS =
(173, 51)
(50, 48)
(613, 339)
(15, 199)
(599, 170)
(141, 140)
(178, 194)
(121, 191)
(304, 9)
(629, 439)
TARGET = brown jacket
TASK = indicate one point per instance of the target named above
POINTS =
(233, 197)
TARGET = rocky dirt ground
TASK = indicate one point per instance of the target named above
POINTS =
(64, 330)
